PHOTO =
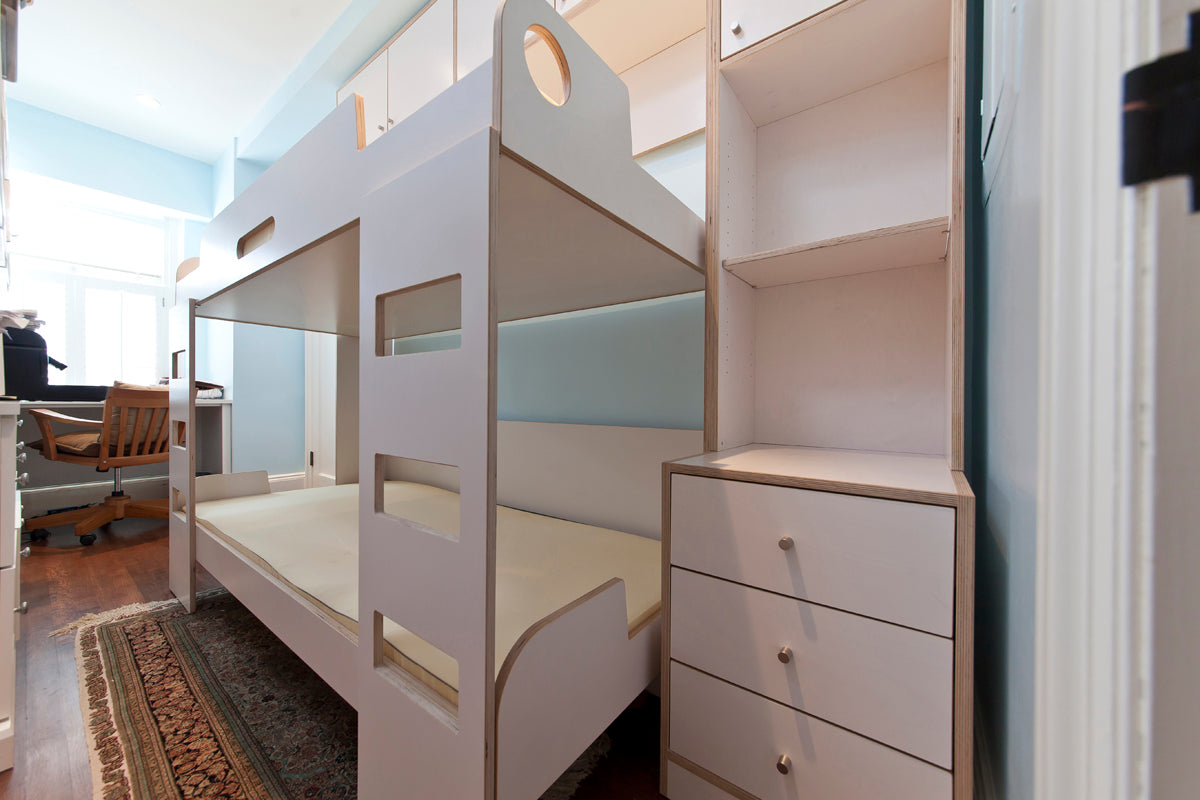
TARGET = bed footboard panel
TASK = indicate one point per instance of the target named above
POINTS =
(563, 683)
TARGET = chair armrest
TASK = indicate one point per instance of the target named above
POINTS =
(40, 414)
(44, 418)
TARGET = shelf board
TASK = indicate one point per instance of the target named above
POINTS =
(853, 45)
(886, 248)
(919, 478)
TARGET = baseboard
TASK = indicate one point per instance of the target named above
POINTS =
(286, 482)
(43, 500)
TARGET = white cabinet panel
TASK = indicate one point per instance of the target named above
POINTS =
(420, 64)
(881, 558)
(8, 685)
(372, 84)
(667, 94)
(889, 683)
(684, 784)
(742, 737)
(755, 20)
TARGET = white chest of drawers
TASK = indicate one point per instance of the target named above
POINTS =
(817, 627)
(10, 578)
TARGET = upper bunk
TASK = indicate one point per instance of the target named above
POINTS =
(576, 222)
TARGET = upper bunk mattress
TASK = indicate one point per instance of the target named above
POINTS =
(309, 538)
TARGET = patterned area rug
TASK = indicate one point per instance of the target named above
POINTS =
(213, 705)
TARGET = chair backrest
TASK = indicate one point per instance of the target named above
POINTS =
(137, 427)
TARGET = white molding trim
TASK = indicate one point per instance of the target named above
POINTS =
(287, 481)
(1094, 478)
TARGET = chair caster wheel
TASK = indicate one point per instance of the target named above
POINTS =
(39, 535)
(87, 539)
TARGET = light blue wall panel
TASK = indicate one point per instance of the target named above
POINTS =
(640, 364)
(268, 399)
(57, 147)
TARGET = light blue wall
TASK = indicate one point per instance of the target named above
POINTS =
(57, 147)
(268, 399)
(641, 364)
(1005, 431)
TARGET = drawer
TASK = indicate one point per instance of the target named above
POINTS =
(742, 737)
(881, 558)
(892, 684)
(684, 785)
(759, 19)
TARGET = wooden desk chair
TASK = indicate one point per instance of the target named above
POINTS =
(134, 430)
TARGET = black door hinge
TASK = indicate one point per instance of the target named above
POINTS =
(1162, 117)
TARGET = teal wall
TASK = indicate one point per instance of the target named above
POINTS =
(640, 364)
(55, 146)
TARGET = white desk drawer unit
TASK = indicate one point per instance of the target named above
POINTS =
(809, 640)
(10, 582)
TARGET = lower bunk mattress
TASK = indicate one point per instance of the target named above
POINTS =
(308, 538)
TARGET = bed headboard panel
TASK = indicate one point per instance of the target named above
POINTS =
(597, 474)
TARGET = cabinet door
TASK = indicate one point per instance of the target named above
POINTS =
(746, 22)
(371, 83)
(421, 61)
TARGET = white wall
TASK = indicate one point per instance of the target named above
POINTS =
(1007, 431)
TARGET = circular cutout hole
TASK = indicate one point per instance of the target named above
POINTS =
(547, 65)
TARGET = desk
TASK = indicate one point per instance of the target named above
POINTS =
(56, 484)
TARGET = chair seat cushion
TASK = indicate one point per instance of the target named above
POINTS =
(84, 444)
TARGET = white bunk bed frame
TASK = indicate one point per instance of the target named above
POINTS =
(536, 209)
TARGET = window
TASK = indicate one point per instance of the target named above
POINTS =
(95, 267)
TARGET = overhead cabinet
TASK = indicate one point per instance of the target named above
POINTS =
(658, 49)
(416, 66)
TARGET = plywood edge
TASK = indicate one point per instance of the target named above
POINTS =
(665, 654)
(360, 121)
(893, 247)
(712, 254)
(822, 484)
(711, 777)
(964, 641)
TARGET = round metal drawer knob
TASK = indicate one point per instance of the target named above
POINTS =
(786, 543)
(785, 655)
(784, 765)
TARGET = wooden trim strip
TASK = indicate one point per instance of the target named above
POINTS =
(964, 642)
(822, 485)
(711, 777)
(712, 247)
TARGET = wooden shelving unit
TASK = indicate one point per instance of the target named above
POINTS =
(833, 409)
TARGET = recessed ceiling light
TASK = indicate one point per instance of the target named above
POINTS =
(148, 100)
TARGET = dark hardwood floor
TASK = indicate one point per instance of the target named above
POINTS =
(63, 581)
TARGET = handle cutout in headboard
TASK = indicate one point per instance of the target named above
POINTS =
(256, 238)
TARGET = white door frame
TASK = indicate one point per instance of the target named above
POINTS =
(1095, 523)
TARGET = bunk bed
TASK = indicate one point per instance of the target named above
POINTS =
(491, 203)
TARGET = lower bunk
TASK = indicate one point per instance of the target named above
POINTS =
(577, 608)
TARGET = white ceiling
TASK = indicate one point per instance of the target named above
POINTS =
(212, 63)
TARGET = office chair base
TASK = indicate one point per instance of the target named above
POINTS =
(86, 520)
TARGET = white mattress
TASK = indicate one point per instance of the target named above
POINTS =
(309, 537)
